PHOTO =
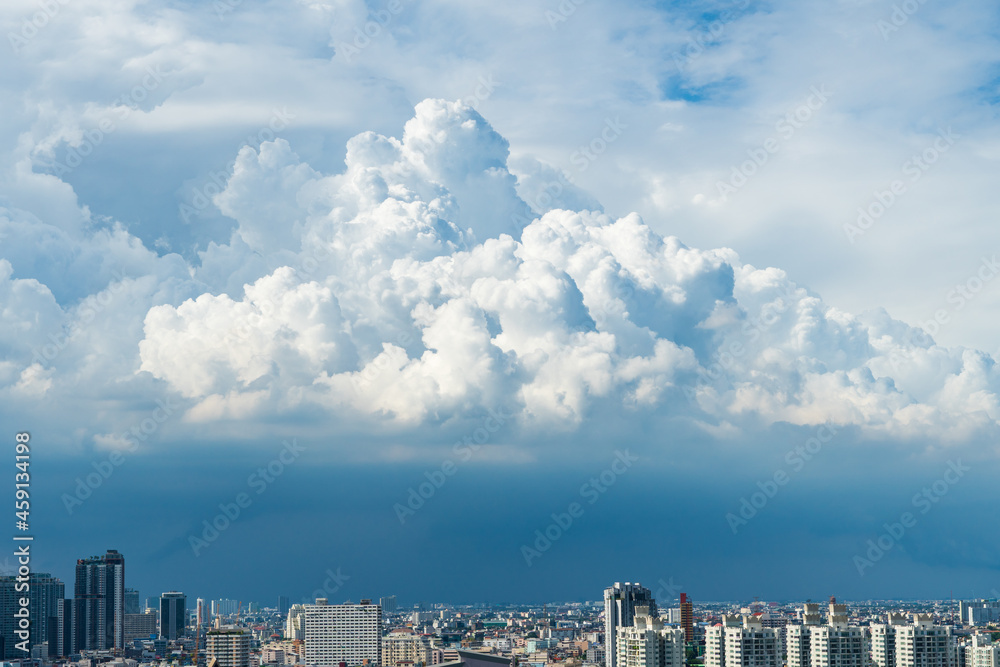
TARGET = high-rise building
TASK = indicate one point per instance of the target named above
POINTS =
(229, 646)
(350, 633)
(648, 643)
(883, 642)
(45, 615)
(743, 643)
(388, 604)
(173, 615)
(283, 605)
(923, 644)
(201, 613)
(687, 617)
(620, 602)
(981, 652)
(838, 644)
(132, 601)
(99, 603)
(140, 626)
(797, 637)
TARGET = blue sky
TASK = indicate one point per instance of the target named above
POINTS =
(706, 234)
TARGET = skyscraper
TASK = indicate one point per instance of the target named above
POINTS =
(45, 615)
(620, 602)
(283, 605)
(99, 603)
(350, 633)
(388, 604)
(173, 615)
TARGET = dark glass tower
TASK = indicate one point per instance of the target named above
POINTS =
(99, 603)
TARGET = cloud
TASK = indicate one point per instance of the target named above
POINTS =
(397, 292)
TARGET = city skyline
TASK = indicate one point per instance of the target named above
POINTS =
(480, 301)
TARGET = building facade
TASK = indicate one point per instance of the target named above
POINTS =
(230, 647)
(350, 633)
(648, 643)
(838, 644)
(743, 642)
(923, 644)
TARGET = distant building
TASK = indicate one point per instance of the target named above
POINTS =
(173, 615)
(132, 601)
(140, 626)
(230, 646)
(283, 605)
(620, 602)
(388, 604)
(350, 633)
(979, 612)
